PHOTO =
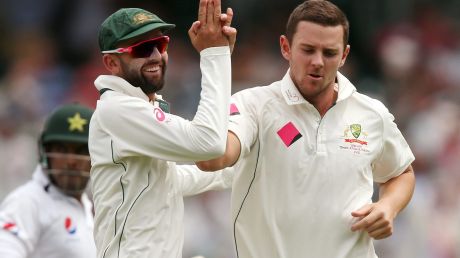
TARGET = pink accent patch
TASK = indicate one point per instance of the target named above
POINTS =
(234, 109)
(289, 134)
(159, 114)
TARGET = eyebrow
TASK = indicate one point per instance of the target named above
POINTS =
(326, 48)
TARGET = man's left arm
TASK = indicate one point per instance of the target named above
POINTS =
(377, 218)
(193, 181)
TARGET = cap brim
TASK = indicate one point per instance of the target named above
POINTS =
(149, 27)
(65, 138)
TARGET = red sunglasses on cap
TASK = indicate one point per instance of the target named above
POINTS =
(144, 48)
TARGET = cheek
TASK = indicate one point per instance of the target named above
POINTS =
(57, 163)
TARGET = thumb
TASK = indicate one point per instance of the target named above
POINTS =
(363, 211)
(194, 28)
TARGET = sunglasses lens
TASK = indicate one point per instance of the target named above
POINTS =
(146, 49)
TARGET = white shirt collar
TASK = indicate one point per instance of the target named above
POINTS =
(292, 95)
(120, 85)
(43, 180)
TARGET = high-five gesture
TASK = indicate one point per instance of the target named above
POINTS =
(212, 28)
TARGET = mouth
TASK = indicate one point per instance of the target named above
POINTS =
(152, 69)
(315, 76)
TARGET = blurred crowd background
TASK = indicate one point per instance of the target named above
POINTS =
(405, 53)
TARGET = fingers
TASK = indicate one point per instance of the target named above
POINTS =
(364, 223)
(229, 17)
(194, 29)
(361, 212)
(223, 18)
(381, 233)
(202, 11)
(377, 230)
(212, 28)
(217, 11)
(230, 32)
(210, 12)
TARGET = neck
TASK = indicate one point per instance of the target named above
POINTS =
(151, 96)
(325, 102)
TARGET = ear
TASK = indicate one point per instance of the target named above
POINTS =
(111, 63)
(285, 47)
(344, 56)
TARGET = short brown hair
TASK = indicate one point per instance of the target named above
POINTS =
(320, 12)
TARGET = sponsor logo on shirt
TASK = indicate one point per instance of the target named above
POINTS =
(292, 96)
(159, 114)
(355, 139)
(11, 227)
(289, 134)
(70, 226)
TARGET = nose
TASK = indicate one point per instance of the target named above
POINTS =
(155, 53)
(72, 162)
(317, 60)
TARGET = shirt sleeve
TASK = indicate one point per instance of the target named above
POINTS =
(243, 120)
(140, 129)
(193, 181)
(20, 228)
(395, 155)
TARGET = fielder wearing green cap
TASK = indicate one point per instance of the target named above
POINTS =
(64, 148)
(134, 141)
(128, 23)
(50, 216)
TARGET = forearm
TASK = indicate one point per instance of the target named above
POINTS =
(209, 126)
(397, 192)
(232, 153)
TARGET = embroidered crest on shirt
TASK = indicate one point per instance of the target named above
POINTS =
(355, 139)
(70, 226)
(289, 134)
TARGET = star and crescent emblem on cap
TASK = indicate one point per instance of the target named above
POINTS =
(76, 123)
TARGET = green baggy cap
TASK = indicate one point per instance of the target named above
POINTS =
(68, 123)
(128, 23)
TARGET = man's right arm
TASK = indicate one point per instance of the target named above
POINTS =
(19, 226)
(169, 137)
(11, 246)
(231, 155)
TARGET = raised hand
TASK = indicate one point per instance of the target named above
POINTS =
(230, 32)
(207, 31)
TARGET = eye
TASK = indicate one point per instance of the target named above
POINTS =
(58, 148)
(309, 50)
(330, 53)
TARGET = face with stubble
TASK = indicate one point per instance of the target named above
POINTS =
(315, 55)
(148, 73)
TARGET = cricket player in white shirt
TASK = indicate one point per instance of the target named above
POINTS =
(134, 142)
(307, 150)
(51, 216)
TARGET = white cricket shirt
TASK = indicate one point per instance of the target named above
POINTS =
(138, 189)
(37, 221)
(299, 177)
